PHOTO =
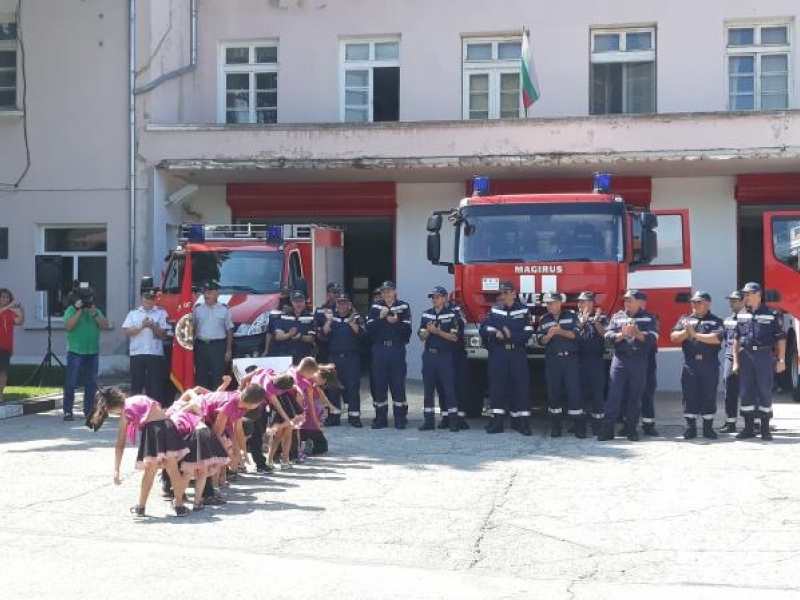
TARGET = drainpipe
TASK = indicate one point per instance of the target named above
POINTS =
(133, 92)
(132, 152)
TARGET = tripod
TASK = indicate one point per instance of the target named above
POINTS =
(47, 362)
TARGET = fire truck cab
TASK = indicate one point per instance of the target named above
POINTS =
(560, 242)
(251, 263)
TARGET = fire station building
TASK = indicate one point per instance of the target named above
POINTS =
(371, 114)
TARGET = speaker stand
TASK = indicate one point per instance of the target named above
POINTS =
(50, 359)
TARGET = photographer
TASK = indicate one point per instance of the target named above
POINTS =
(146, 326)
(83, 322)
(11, 315)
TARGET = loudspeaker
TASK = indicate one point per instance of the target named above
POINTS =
(48, 272)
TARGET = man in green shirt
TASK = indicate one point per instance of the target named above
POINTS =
(83, 322)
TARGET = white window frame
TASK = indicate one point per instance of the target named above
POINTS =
(757, 50)
(12, 45)
(623, 56)
(41, 297)
(494, 68)
(369, 65)
(252, 68)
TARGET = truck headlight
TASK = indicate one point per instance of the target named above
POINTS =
(474, 341)
(257, 327)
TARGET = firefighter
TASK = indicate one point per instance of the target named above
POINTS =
(294, 331)
(558, 333)
(631, 331)
(332, 291)
(700, 335)
(389, 328)
(440, 330)
(283, 307)
(651, 382)
(505, 333)
(591, 347)
(342, 331)
(759, 350)
(729, 378)
(459, 371)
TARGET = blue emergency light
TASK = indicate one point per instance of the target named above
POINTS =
(601, 183)
(480, 185)
(196, 232)
(274, 234)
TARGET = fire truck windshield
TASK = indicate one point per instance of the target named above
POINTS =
(541, 232)
(236, 271)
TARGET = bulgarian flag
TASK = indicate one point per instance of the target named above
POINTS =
(529, 82)
(182, 366)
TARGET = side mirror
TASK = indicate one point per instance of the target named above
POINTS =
(649, 245)
(434, 223)
(301, 283)
(434, 247)
(649, 220)
(772, 296)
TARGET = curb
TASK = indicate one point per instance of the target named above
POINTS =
(19, 408)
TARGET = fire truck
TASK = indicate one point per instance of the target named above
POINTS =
(782, 285)
(251, 263)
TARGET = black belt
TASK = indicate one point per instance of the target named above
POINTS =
(436, 350)
(756, 348)
(202, 341)
(699, 356)
(387, 343)
(509, 346)
(560, 354)
(342, 354)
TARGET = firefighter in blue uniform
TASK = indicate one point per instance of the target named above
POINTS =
(505, 333)
(729, 378)
(332, 291)
(342, 331)
(759, 351)
(283, 307)
(294, 331)
(460, 371)
(440, 329)
(651, 382)
(389, 328)
(558, 333)
(631, 331)
(700, 335)
(591, 347)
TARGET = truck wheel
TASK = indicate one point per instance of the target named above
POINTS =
(475, 388)
(791, 380)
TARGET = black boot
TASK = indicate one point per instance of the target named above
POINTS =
(454, 426)
(381, 420)
(427, 422)
(691, 429)
(333, 420)
(631, 434)
(462, 422)
(524, 426)
(399, 415)
(445, 422)
(708, 430)
(649, 429)
(354, 421)
(729, 427)
(496, 424)
(766, 434)
(606, 432)
(597, 425)
(555, 426)
(579, 425)
(748, 431)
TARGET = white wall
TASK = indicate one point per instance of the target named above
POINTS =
(415, 275)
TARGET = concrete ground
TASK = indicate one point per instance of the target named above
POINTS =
(415, 515)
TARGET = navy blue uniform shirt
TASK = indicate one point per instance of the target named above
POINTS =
(707, 324)
(446, 320)
(647, 324)
(381, 330)
(517, 318)
(566, 320)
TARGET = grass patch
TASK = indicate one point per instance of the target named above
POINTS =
(22, 376)
(19, 392)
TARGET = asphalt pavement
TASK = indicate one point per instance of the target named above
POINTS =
(415, 515)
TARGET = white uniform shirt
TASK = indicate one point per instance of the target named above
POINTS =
(145, 342)
(211, 322)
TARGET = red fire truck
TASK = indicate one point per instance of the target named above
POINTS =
(252, 263)
(560, 242)
(782, 285)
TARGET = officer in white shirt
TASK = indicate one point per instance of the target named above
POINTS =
(213, 337)
(146, 326)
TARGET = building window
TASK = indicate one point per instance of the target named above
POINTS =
(623, 71)
(491, 78)
(249, 83)
(8, 66)
(758, 66)
(370, 81)
(83, 251)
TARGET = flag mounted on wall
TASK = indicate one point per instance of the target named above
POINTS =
(528, 79)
